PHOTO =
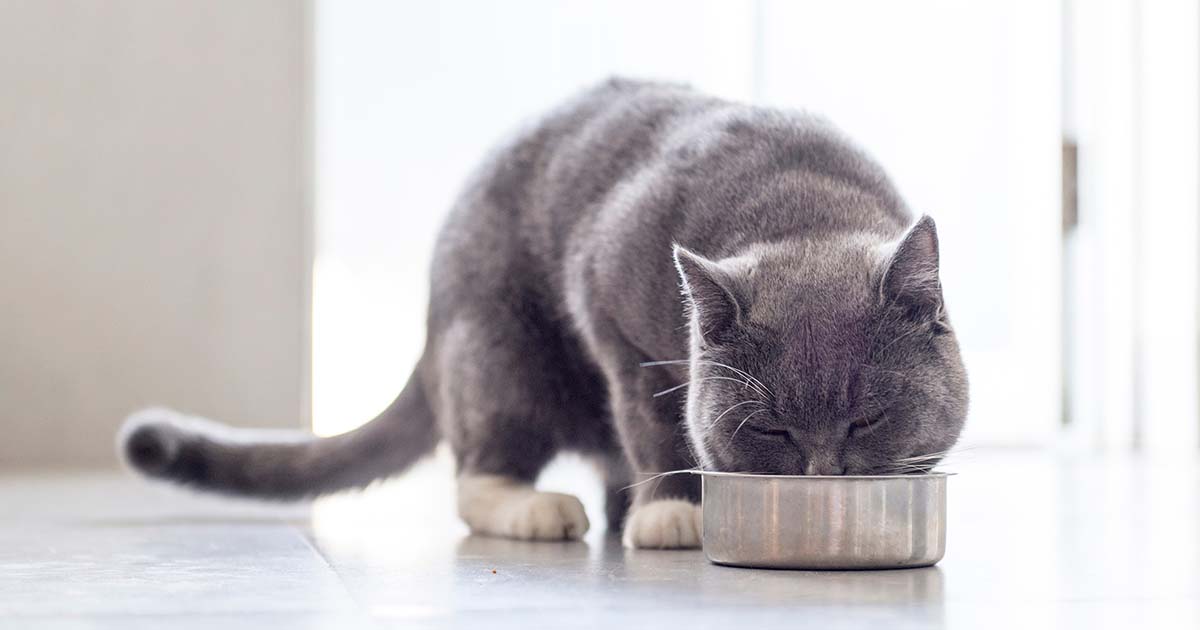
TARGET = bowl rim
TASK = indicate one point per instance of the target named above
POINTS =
(929, 475)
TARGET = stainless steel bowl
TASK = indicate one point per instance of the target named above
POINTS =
(814, 522)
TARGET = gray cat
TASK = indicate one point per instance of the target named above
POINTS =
(661, 280)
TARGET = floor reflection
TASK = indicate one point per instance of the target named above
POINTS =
(548, 573)
(489, 549)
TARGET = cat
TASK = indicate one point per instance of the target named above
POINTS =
(658, 279)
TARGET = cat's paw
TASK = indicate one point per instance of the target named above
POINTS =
(664, 524)
(542, 516)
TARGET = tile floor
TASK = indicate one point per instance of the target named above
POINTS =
(1035, 540)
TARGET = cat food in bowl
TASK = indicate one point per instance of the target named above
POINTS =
(815, 522)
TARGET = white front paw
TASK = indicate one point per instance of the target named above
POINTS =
(543, 516)
(665, 524)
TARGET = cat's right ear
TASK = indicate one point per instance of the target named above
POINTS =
(711, 293)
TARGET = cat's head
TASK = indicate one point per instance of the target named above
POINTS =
(823, 357)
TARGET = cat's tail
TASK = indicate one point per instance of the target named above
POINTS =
(208, 456)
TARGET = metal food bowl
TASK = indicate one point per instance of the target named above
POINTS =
(815, 522)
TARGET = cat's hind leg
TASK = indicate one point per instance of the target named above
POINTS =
(501, 406)
(496, 505)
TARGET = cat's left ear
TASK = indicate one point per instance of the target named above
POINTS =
(911, 279)
(712, 293)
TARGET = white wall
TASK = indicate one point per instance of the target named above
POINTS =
(153, 222)
(960, 102)
(1134, 87)
(409, 98)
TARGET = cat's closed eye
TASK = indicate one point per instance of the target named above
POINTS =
(864, 425)
(773, 434)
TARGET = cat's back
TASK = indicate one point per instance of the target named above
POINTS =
(520, 206)
(701, 161)
(549, 174)
(637, 164)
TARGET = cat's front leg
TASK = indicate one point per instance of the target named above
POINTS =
(664, 524)
(666, 507)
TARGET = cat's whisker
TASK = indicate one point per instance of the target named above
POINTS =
(906, 471)
(920, 458)
(701, 380)
(909, 468)
(908, 465)
(919, 462)
(669, 390)
(902, 468)
(723, 413)
(743, 423)
(933, 456)
(758, 385)
(923, 463)
(671, 362)
(924, 456)
(659, 476)
(751, 381)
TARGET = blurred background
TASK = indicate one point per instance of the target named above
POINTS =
(229, 207)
